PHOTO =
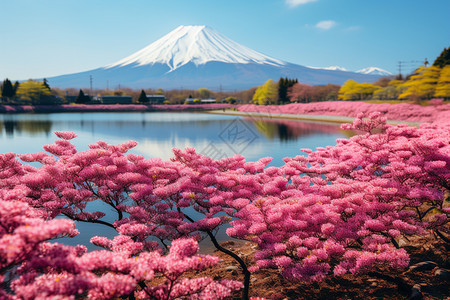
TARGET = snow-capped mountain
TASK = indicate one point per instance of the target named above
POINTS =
(369, 71)
(374, 71)
(333, 68)
(199, 57)
(197, 44)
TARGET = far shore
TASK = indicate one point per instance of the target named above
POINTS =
(410, 114)
(67, 108)
(311, 118)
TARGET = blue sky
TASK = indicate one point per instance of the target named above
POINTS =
(53, 37)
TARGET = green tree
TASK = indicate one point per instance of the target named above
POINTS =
(7, 89)
(266, 93)
(82, 98)
(283, 85)
(45, 83)
(443, 84)
(231, 100)
(143, 97)
(16, 87)
(32, 91)
(443, 59)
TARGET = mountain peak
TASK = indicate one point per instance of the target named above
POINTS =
(374, 71)
(198, 44)
(332, 68)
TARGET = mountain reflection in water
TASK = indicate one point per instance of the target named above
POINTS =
(287, 130)
(158, 133)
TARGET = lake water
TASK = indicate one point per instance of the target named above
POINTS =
(157, 133)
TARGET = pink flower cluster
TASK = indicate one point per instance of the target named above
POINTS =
(336, 210)
(32, 268)
(344, 207)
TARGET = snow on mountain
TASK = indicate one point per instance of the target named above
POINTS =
(192, 57)
(197, 44)
(374, 71)
(333, 68)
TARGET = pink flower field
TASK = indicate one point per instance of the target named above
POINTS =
(397, 112)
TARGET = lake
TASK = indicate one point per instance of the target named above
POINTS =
(157, 133)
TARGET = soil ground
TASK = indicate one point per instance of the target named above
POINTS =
(384, 283)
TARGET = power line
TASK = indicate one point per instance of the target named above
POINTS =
(410, 63)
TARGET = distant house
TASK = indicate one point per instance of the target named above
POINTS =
(202, 101)
(156, 99)
(108, 99)
(209, 100)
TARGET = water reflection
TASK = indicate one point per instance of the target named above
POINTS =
(283, 130)
(286, 130)
(158, 133)
(26, 126)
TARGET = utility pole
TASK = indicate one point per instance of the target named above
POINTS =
(411, 62)
(90, 79)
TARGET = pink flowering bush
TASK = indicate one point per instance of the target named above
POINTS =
(32, 268)
(340, 209)
(345, 207)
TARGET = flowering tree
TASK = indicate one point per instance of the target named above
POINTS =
(339, 209)
(345, 207)
(32, 268)
(151, 198)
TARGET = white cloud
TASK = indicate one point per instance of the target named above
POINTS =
(294, 3)
(326, 25)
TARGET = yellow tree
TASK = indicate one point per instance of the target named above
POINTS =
(204, 93)
(352, 90)
(365, 90)
(386, 93)
(266, 93)
(347, 90)
(422, 84)
(32, 91)
(443, 84)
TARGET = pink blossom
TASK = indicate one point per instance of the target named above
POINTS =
(65, 135)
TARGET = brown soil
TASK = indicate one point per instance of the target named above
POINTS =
(385, 283)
